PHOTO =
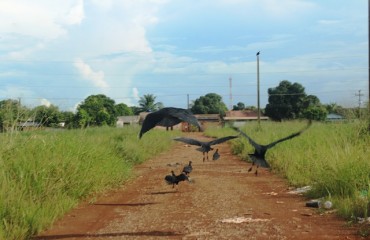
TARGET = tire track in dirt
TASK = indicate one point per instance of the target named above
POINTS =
(221, 191)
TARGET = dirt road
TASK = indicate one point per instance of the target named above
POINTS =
(223, 201)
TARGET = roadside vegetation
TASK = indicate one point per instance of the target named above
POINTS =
(43, 174)
(332, 158)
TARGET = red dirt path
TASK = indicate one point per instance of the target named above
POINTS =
(147, 208)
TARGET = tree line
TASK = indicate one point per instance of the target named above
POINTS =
(286, 101)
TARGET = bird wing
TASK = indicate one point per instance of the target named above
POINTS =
(170, 179)
(169, 121)
(150, 121)
(182, 177)
(184, 115)
(188, 141)
(221, 140)
(289, 137)
(257, 146)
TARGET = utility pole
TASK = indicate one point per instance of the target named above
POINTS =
(258, 88)
(359, 102)
(368, 41)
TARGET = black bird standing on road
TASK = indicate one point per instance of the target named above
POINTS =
(258, 157)
(168, 117)
(188, 168)
(175, 179)
(205, 147)
(216, 155)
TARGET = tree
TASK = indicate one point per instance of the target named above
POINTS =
(239, 106)
(211, 103)
(123, 110)
(47, 116)
(285, 101)
(316, 112)
(96, 110)
(12, 112)
(147, 103)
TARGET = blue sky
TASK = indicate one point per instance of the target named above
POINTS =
(60, 52)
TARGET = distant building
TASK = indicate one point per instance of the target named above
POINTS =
(127, 120)
(240, 117)
(28, 125)
(333, 117)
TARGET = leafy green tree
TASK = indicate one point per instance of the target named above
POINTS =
(69, 119)
(285, 101)
(47, 116)
(12, 112)
(136, 110)
(96, 110)
(123, 110)
(147, 103)
(83, 118)
(239, 106)
(211, 103)
(315, 112)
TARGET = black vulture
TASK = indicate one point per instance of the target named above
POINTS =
(168, 117)
(216, 155)
(205, 147)
(175, 179)
(258, 157)
(188, 168)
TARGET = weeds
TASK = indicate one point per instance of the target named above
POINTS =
(333, 158)
(43, 174)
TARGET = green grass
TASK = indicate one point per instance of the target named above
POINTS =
(333, 158)
(43, 174)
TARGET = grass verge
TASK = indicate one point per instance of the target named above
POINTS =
(44, 174)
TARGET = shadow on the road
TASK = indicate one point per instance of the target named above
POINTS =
(163, 192)
(119, 234)
(125, 204)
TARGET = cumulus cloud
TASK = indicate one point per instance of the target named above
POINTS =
(41, 19)
(76, 13)
(135, 93)
(45, 102)
(95, 77)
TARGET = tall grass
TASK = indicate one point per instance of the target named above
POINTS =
(333, 158)
(43, 174)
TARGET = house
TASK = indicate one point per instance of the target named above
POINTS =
(28, 125)
(241, 116)
(332, 117)
(207, 120)
(127, 120)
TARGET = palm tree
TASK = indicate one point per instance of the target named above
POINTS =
(147, 103)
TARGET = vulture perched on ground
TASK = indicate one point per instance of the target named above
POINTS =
(216, 155)
(205, 147)
(175, 179)
(188, 168)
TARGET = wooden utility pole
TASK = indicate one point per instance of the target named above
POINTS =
(368, 41)
(258, 88)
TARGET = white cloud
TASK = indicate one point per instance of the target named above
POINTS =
(135, 93)
(45, 102)
(41, 19)
(95, 77)
(76, 13)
